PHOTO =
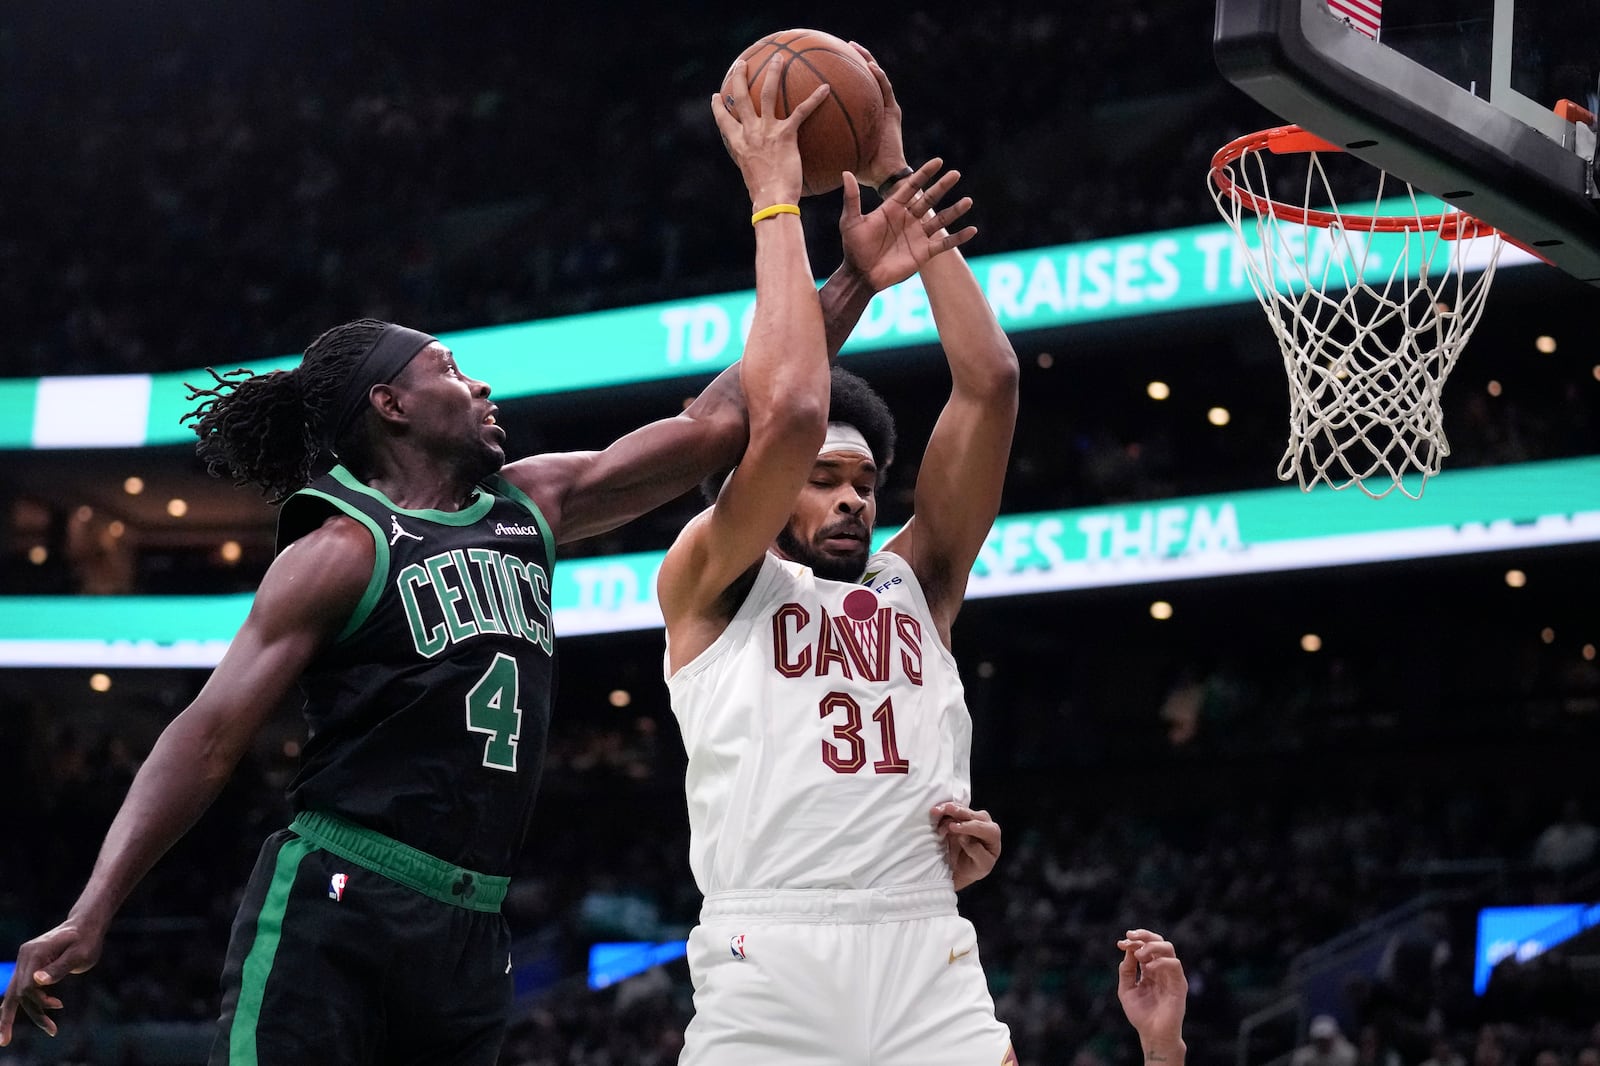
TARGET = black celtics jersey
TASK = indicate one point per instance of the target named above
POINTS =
(428, 714)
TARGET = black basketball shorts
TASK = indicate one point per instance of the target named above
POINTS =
(352, 948)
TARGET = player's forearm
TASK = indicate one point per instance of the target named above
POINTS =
(721, 424)
(845, 296)
(982, 361)
(785, 366)
(176, 784)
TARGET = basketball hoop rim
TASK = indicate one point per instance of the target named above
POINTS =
(1291, 140)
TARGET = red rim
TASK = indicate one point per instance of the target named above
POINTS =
(1287, 140)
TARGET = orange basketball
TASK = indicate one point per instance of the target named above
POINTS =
(841, 134)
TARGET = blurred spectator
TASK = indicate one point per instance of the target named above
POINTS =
(1568, 843)
(1374, 1049)
(1326, 1045)
(1444, 1052)
(1491, 1048)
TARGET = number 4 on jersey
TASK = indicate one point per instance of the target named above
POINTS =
(492, 709)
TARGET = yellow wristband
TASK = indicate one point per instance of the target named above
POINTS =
(775, 209)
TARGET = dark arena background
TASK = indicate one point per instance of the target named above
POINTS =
(1341, 751)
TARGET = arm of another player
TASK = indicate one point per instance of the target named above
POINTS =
(1154, 994)
(882, 248)
(303, 600)
(586, 493)
(786, 381)
(971, 839)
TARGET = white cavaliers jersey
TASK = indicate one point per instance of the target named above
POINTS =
(821, 727)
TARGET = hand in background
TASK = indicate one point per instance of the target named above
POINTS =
(1154, 994)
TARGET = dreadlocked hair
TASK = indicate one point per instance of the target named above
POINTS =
(266, 429)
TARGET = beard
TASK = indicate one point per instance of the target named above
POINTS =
(832, 567)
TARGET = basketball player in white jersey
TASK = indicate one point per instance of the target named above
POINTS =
(820, 704)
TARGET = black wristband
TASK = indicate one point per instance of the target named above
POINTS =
(889, 182)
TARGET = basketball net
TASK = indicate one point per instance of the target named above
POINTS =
(1369, 327)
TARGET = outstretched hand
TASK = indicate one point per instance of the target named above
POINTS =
(1154, 994)
(971, 839)
(888, 245)
(42, 963)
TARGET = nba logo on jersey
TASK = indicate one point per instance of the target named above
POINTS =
(336, 885)
(736, 945)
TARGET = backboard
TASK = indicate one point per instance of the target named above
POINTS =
(1455, 96)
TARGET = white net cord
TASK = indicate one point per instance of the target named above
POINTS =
(1368, 336)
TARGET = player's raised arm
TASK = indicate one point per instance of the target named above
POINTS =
(964, 467)
(785, 369)
(305, 597)
(586, 493)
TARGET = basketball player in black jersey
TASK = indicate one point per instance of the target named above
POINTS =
(411, 601)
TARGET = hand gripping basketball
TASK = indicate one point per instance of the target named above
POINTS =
(764, 145)
(842, 134)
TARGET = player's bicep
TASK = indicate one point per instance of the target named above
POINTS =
(584, 494)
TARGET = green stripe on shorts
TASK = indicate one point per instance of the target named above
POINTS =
(258, 963)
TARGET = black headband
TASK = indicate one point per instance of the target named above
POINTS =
(395, 347)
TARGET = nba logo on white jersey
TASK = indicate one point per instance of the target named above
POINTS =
(736, 945)
(336, 885)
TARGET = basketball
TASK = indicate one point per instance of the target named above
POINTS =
(841, 134)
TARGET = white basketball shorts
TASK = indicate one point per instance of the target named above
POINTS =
(887, 977)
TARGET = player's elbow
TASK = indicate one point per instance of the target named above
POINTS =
(205, 743)
(722, 433)
(799, 417)
(996, 377)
